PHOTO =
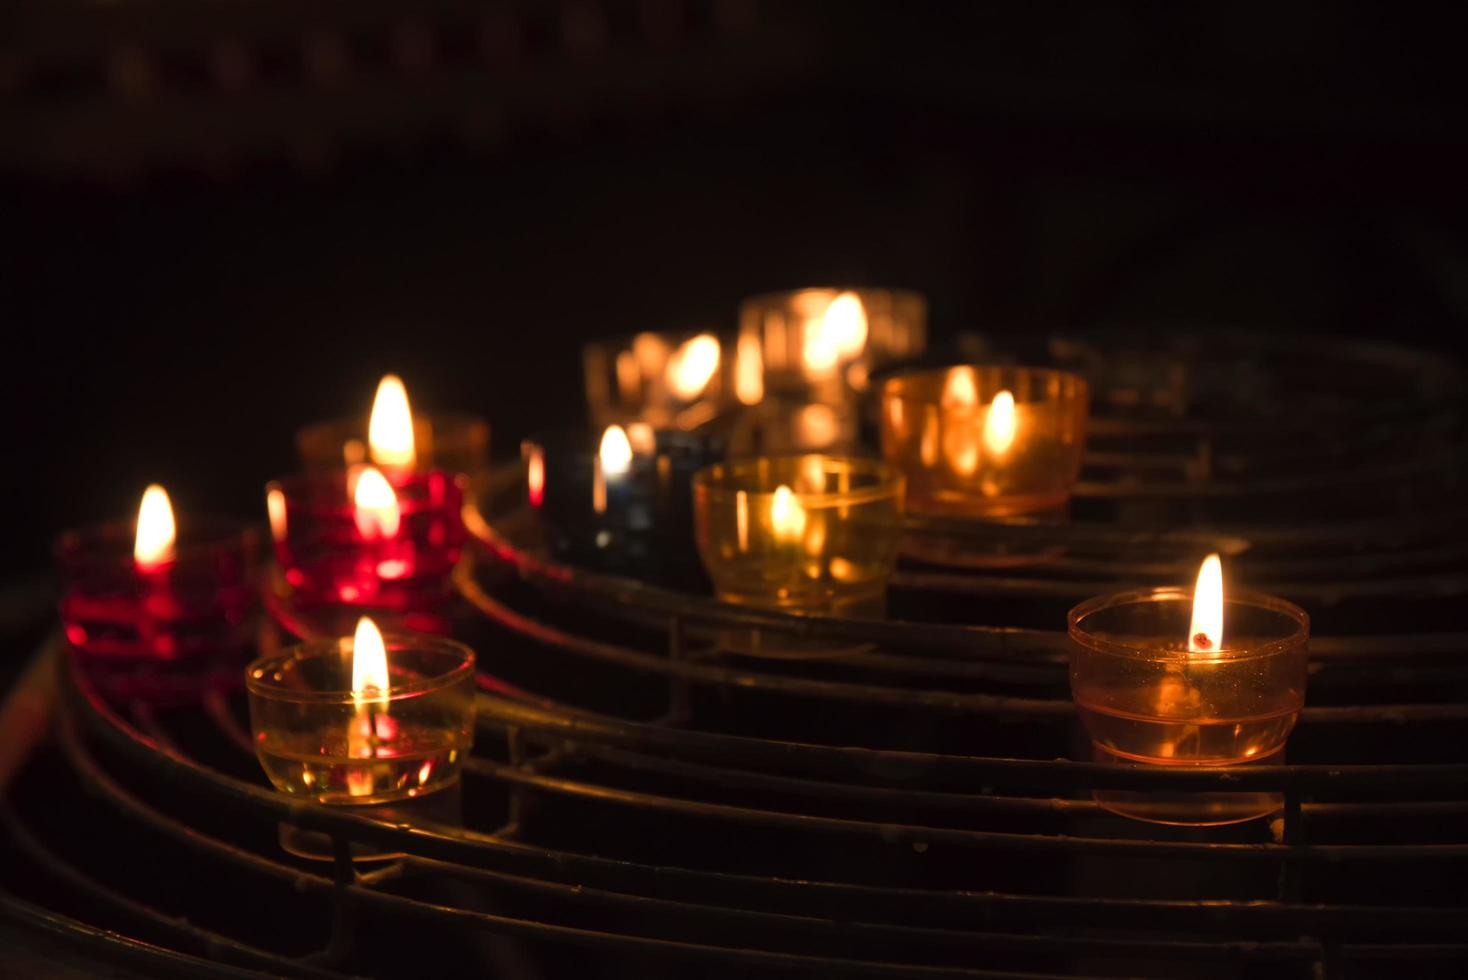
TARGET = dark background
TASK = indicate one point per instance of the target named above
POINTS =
(222, 221)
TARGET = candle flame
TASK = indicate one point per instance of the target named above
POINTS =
(275, 507)
(535, 477)
(615, 451)
(787, 517)
(749, 371)
(1205, 634)
(377, 512)
(999, 426)
(390, 429)
(960, 390)
(845, 323)
(693, 365)
(369, 665)
(157, 533)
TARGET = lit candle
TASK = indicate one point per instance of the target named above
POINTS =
(395, 439)
(370, 731)
(666, 380)
(1176, 676)
(158, 589)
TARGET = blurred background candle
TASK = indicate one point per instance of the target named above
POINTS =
(160, 601)
(620, 499)
(980, 441)
(395, 439)
(1178, 677)
(666, 380)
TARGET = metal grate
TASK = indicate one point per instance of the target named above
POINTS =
(642, 802)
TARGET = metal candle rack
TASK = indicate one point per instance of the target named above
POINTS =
(641, 801)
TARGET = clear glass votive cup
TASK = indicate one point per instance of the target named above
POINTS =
(453, 443)
(325, 556)
(986, 441)
(810, 533)
(669, 379)
(1145, 699)
(316, 740)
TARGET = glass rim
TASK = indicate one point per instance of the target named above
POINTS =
(934, 379)
(404, 480)
(257, 686)
(891, 480)
(1174, 593)
(453, 428)
(778, 295)
(198, 537)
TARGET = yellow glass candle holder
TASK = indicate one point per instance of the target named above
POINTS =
(1147, 694)
(823, 342)
(809, 534)
(986, 442)
(320, 737)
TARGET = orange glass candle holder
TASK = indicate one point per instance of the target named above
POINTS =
(986, 442)
(319, 739)
(824, 342)
(669, 380)
(1145, 697)
(810, 534)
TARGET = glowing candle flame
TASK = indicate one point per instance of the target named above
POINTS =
(157, 533)
(845, 324)
(376, 506)
(535, 477)
(693, 365)
(390, 429)
(369, 665)
(999, 426)
(1205, 634)
(615, 452)
(960, 390)
(787, 517)
(275, 507)
(749, 371)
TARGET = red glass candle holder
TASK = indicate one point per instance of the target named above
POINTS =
(1145, 698)
(155, 631)
(326, 556)
(454, 443)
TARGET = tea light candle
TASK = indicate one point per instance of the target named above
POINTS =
(823, 344)
(620, 500)
(811, 533)
(355, 538)
(1168, 676)
(667, 380)
(364, 719)
(988, 442)
(395, 440)
(158, 591)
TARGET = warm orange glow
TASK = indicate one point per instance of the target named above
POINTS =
(741, 519)
(787, 517)
(377, 513)
(154, 544)
(999, 426)
(390, 429)
(275, 507)
(960, 390)
(615, 452)
(845, 324)
(369, 665)
(642, 438)
(1205, 635)
(693, 366)
(749, 371)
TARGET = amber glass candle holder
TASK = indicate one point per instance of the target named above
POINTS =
(986, 441)
(821, 342)
(325, 556)
(157, 632)
(452, 443)
(806, 534)
(1144, 698)
(670, 380)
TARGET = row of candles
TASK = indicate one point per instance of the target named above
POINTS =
(375, 521)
